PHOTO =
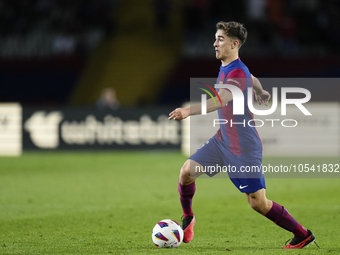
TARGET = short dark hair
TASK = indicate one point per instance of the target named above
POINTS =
(233, 30)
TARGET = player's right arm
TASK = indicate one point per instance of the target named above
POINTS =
(182, 113)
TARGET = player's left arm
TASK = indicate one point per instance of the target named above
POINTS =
(261, 95)
(182, 113)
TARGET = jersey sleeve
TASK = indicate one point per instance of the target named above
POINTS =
(237, 77)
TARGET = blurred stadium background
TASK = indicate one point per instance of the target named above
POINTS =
(73, 62)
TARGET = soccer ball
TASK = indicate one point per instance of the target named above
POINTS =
(167, 234)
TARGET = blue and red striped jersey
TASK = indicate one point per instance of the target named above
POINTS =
(238, 135)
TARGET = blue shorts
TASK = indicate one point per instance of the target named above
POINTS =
(244, 172)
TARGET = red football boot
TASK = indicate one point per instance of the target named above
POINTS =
(300, 242)
(188, 228)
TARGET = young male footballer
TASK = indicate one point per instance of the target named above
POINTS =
(235, 145)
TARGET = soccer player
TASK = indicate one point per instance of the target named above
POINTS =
(235, 145)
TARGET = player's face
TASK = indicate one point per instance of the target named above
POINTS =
(222, 44)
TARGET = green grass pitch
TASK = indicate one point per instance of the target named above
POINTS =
(108, 203)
